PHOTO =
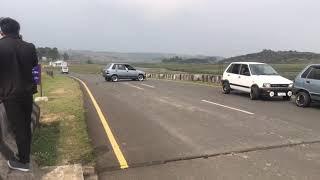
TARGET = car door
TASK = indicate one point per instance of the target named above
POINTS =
(121, 71)
(132, 72)
(233, 76)
(312, 83)
(244, 78)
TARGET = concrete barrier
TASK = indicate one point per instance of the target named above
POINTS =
(208, 78)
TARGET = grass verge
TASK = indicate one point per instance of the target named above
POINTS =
(62, 137)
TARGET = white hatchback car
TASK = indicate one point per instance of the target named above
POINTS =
(258, 79)
(64, 70)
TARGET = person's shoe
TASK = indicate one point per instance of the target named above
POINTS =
(19, 166)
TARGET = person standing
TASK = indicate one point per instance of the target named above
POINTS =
(17, 59)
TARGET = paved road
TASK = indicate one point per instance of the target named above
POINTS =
(173, 130)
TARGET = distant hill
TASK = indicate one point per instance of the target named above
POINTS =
(106, 57)
(277, 57)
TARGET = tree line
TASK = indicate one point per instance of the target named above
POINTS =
(51, 53)
(180, 60)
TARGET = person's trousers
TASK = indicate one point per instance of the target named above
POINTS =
(19, 116)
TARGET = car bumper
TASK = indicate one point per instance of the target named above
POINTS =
(106, 75)
(271, 92)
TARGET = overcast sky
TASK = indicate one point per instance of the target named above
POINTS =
(209, 27)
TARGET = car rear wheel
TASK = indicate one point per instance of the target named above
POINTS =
(226, 88)
(254, 93)
(140, 77)
(303, 99)
(114, 78)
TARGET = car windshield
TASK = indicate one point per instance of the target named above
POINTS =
(262, 69)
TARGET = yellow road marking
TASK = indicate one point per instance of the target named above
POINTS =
(121, 159)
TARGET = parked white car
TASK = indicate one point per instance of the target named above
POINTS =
(258, 79)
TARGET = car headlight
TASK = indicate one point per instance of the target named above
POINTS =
(266, 85)
(290, 85)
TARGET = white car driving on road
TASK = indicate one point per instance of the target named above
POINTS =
(64, 70)
(258, 79)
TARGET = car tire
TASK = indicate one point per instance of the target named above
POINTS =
(254, 93)
(286, 98)
(226, 88)
(114, 78)
(141, 77)
(303, 99)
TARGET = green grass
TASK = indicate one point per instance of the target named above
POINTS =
(62, 137)
(86, 68)
(287, 70)
(187, 68)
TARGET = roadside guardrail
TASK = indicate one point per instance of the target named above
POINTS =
(187, 77)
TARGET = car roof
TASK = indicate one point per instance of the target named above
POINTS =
(247, 63)
(317, 65)
(121, 63)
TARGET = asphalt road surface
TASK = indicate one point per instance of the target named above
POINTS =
(174, 130)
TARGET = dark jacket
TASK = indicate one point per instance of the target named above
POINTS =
(17, 58)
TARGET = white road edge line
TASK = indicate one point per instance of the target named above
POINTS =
(228, 107)
(147, 85)
(134, 86)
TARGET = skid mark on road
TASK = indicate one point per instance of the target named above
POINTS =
(121, 159)
(131, 85)
(148, 85)
(228, 107)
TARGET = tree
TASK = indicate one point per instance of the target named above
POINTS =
(55, 54)
(89, 61)
(50, 53)
(65, 56)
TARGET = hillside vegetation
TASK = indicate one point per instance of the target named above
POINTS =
(278, 57)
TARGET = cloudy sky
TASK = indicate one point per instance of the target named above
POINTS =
(209, 27)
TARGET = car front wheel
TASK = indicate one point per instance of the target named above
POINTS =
(140, 77)
(303, 99)
(254, 93)
(226, 88)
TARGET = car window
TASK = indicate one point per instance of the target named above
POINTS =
(245, 70)
(114, 66)
(236, 68)
(108, 66)
(230, 68)
(130, 67)
(305, 73)
(315, 73)
(121, 67)
(262, 69)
